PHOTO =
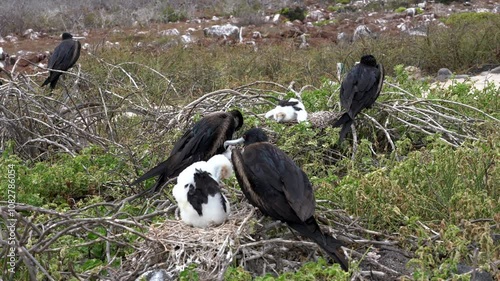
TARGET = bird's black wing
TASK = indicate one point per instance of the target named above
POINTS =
(207, 137)
(65, 55)
(287, 103)
(274, 183)
(203, 141)
(380, 82)
(365, 89)
(178, 160)
(348, 87)
(204, 186)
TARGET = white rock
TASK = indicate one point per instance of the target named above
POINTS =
(169, 32)
(227, 30)
(186, 39)
(276, 18)
(361, 31)
(316, 15)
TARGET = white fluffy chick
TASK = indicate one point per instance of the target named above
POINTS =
(288, 111)
(198, 194)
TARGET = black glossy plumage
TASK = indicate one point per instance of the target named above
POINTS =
(359, 90)
(272, 182)
(63, 58)
(204, 140)
(288, 102)
(204, 186)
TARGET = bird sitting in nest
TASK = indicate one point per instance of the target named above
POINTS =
(288, 111)
(198, 194)
(272, 182)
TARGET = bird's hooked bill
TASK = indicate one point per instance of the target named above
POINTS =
(233, 142)
(79, 38)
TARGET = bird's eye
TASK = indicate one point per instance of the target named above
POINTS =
(186, 186)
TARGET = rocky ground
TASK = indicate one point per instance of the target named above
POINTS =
(322, 25)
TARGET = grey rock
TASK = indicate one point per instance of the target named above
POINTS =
(169, 32)
(155, 275)
(411, 12)
(496, 70)
(361, 32)
(227, 30)
(316, 15)
(443, 74)
(475, 273)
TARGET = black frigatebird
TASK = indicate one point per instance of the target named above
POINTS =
(272, 182)
(205, 139)
(359, 90)
(63, 58)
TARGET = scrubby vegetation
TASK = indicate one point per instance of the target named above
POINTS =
(422, 175)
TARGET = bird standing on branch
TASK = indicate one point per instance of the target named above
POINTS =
(359, 90)
(63, 58)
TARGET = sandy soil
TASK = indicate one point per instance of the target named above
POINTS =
(478, 82)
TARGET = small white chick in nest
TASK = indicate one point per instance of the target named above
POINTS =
(288, 111)
(198, 194)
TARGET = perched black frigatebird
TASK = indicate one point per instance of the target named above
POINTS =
(63, 58)
(205, 139)
(359, 90)
(272, 182)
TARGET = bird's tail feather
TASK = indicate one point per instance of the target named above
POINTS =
(334, 250)
(345, 128)
(329, 244)
(47, 81)
(344, 118)
(160, 169)
(346, 121)
(54, 82)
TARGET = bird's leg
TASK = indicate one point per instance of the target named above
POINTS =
(354, 140)
(177, 213)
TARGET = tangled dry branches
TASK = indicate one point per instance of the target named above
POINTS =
(84, 113)
(247, 239)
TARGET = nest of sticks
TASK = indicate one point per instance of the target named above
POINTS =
(258, 244)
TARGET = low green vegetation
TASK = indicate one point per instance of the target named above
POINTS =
(400, 10)
(421, 189)
(470, 18)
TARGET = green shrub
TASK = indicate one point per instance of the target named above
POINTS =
(297, 13)
(400, 10)
(62, 178)
(343, 2)
(170, 14)
(470, 18)
(436, 184)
